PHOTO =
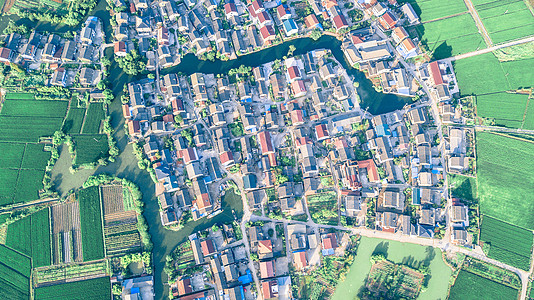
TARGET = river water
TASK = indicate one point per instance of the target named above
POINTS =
(126, 164)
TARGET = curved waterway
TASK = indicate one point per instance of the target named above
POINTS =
(126, 164)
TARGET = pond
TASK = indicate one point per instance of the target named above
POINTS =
(410, 254)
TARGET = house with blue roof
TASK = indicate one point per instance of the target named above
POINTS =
(290, 27)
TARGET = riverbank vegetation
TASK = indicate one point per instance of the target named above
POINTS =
(71, 13)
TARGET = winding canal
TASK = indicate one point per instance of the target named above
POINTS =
(125, 165)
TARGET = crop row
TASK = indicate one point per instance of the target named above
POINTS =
(98, 288)
(110, 230)
(91, 223)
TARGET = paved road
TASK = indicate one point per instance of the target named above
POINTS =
(490, 49)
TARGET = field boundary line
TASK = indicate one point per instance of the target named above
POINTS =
(525, 114)
(527, 3)
(478, 21)
(511, 136)
(445, 17)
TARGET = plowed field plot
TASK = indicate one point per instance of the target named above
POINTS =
(112, 199)
(66, 218)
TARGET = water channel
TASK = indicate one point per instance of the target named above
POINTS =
(125, 165)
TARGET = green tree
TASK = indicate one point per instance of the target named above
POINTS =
(133, 63)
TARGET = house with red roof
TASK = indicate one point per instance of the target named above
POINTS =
(399, 34)
(297, 117)
(283, 12)
(177, 106)
(299, 88)
(266, 144)
(294, 73)
(299, 260)
(329, 243)
(227, 159)
(387, 21)
(407, 48)
(370, 166)
(267, 269)
(321, 132)
(257, 6)
(267, 33)
(134, 129)
(435, 73)
(264, 18)
(208, 248)
(230, 10)
(120, 48)
(188, 155)
(265, 249)
(340, 22)
(126, 111)
(183, 287)
(269, 289)
(312, 22)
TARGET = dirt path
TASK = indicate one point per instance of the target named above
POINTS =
(478, 22)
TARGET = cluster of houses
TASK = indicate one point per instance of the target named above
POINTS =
(73, 61)
(221, 268)
(224, 268)
(166, 30)
(378, 55)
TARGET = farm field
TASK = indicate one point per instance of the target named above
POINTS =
(59, 273)
(507, 109)
(502, 163)
(120, 226)
(529, 117)
(513, 248)
(15, 269)
(398, 253)
(387, 278)
(92, 289)
(28, 185)
(323, 208)
(11, 155)
(469, 286)
(31, 236)
(90, 147)
(505, 20)
(93, 119)
(459, 33)
(91, 223)
(484, 74)
(35, 108)
(428, 10)
(33, 128)
(74, 121)
(66, 218)
(35, 157)
(19, 96)
(8, 177)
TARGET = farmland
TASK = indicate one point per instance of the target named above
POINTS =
(90, 147)
(323, 208)
(428, 10)
(513, 248)
(98, 288)
(73, 122)
(11, 155)
(31, 236)
(120, 226)
(451, 36)
(94, 117)
(491, 106)
(387, 279)
(61, 273)
(15, 269)
(35, 157)
(484, 74)
(469, 286)
(505, 20)
(91, 223)
(33, 128)
(35, 108)
(28, 185)
(66, 218)
(502, 163)
(8, 177)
